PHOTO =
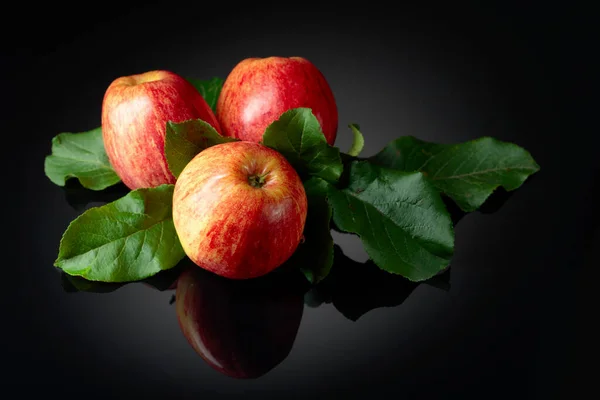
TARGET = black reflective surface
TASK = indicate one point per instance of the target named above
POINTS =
(510, 317)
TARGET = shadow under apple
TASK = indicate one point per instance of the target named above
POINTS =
(241, 328)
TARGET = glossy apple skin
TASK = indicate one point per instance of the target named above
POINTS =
(258, 90)
(135, 110)
(228, 226)
(242, 329)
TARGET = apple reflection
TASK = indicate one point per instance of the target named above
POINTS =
(241, 328)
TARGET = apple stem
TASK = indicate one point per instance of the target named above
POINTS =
(256, 181)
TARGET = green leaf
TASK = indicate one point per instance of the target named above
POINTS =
(82, 156)
(209, 89)
(127, 240)
(400, 218)
(315, 254)
(162, 281)
(71, 284)
(186, 139)
(358, 141)
(466, 172)
(298, 136)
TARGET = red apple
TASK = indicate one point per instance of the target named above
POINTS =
(242, 329)
(239, 209)
(258, 90)
(135, 111)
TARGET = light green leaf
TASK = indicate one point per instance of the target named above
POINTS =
(81, 156)
(358, 141)
(127, 240)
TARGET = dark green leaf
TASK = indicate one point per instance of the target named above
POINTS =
(209, 89)
(358, 141)
(298, 136)
(82, 156)
(400, 218)
(466, 172)
(316, 251)
(127, 240)
(186, 139)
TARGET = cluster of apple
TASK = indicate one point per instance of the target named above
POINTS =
(239, 207)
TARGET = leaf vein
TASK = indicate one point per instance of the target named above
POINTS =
(485, 171)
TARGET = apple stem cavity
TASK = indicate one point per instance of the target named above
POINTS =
(257, 181)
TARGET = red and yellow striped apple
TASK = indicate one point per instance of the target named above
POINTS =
(242, 329)
(135, 111)
(258, 90)
(239, 209)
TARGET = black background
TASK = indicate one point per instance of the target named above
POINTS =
(514, 321)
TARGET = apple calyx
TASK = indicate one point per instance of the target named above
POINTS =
(257, 181)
